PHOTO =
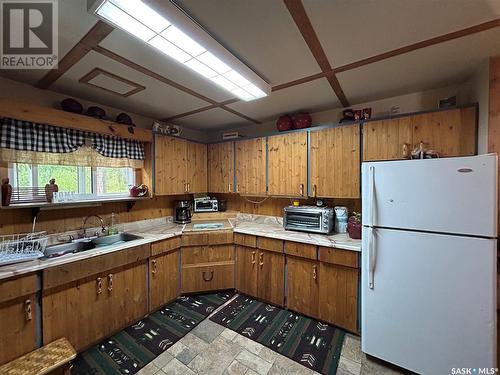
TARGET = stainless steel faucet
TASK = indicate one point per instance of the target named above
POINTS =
(103, 227)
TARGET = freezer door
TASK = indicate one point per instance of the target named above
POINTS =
(430, 305)
(452, 195)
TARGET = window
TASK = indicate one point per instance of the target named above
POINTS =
(77, 179)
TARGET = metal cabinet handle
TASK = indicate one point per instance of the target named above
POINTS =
(261, 260)
(99, 285)
(315, 190)
(405, 150)
(211, 276)
(189, 187)
(110, 282)
(301, 189)
(315, 272)
(153, 262)
(237, 188)
(253, 257)
(229, 187)
(27, 310)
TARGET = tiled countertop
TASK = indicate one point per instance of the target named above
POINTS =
(161, 229)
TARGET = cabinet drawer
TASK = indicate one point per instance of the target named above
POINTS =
(245, 240)
(165, 245)
(19, 287)
(205, 278)
(337, 256)
(207, 254)
(81, 269)
(270, 244)
(207, 238)
(302, 250)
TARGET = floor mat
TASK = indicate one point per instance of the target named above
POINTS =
(304, 340)
(134, 347)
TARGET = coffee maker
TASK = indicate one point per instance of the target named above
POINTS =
(182, 212)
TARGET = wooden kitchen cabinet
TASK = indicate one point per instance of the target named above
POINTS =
(221, 167)
(196, 167)
(18, 317)
(163, 279)
(180, 166)
(271, 277)
(303, 286)
(287, 164)
(387, 139)
(451, 133)
(250, 160)
(335, 162)
(246, 270)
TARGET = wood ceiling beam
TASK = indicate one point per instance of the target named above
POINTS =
(95, 35)
(301, 19)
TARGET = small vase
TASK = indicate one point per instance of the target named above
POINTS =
(6, 192)
(354, 230)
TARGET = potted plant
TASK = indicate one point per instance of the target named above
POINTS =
(354, 226)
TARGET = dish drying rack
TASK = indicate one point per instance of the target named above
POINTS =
(16, 248)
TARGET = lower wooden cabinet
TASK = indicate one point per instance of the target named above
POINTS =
(163, 279)
(207, 278)
(90, 309)
(303, 286)
(338, 295)
(261, 274)
(17, 328)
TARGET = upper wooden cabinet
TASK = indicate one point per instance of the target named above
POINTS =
(221, 167)
(251, 166)
(387, 139)
(287, 164)
(451, 133)
(180, 166)
(334, 162)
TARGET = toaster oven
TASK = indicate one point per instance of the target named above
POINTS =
(205, 204)
(309, 219)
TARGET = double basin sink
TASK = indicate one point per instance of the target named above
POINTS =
(77, 247)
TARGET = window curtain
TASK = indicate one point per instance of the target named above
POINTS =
(32, 143)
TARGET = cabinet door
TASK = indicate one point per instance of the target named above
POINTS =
(303, 286)
(335, 164)
(196, 167)
(221, 167)
(17, 325)
(338, 295)
(451, 133)
(287, 164)
(170, 165)
(127, 297)
(164, 279)
(251, 166)
(77, 313)
(387, 139)
(271, 277)
(246, 270)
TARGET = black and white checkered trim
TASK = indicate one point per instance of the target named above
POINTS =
(113, 147)
(30, 136)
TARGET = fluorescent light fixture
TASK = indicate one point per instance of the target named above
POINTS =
(189, 46)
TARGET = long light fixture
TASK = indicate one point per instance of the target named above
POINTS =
(147, 24)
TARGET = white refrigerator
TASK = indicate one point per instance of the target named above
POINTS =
(429, 256)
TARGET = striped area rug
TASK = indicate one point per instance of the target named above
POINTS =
(134, 347)
(304, 340)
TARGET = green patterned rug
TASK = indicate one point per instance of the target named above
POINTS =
(304, 340)
(134, 347)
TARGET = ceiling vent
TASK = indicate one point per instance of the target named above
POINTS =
(112, 83)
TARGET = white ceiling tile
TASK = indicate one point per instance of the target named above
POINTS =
(260, 32)
(158, 100)
(312, 96)
(350, 30)
(214, 119)
(437, 66)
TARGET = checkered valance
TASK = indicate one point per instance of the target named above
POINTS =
(29, 136)
(113, 147)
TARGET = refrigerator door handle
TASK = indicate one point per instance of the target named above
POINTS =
(372, 257)
(372, 195)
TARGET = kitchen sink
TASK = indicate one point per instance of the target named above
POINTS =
(76, 247)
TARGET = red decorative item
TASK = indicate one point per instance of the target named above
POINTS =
(284, 123)
(302, 120)
(367, 113)
(357, 114)
(354, 228)
(138, 191)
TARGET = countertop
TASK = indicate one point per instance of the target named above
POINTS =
(161, 229)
